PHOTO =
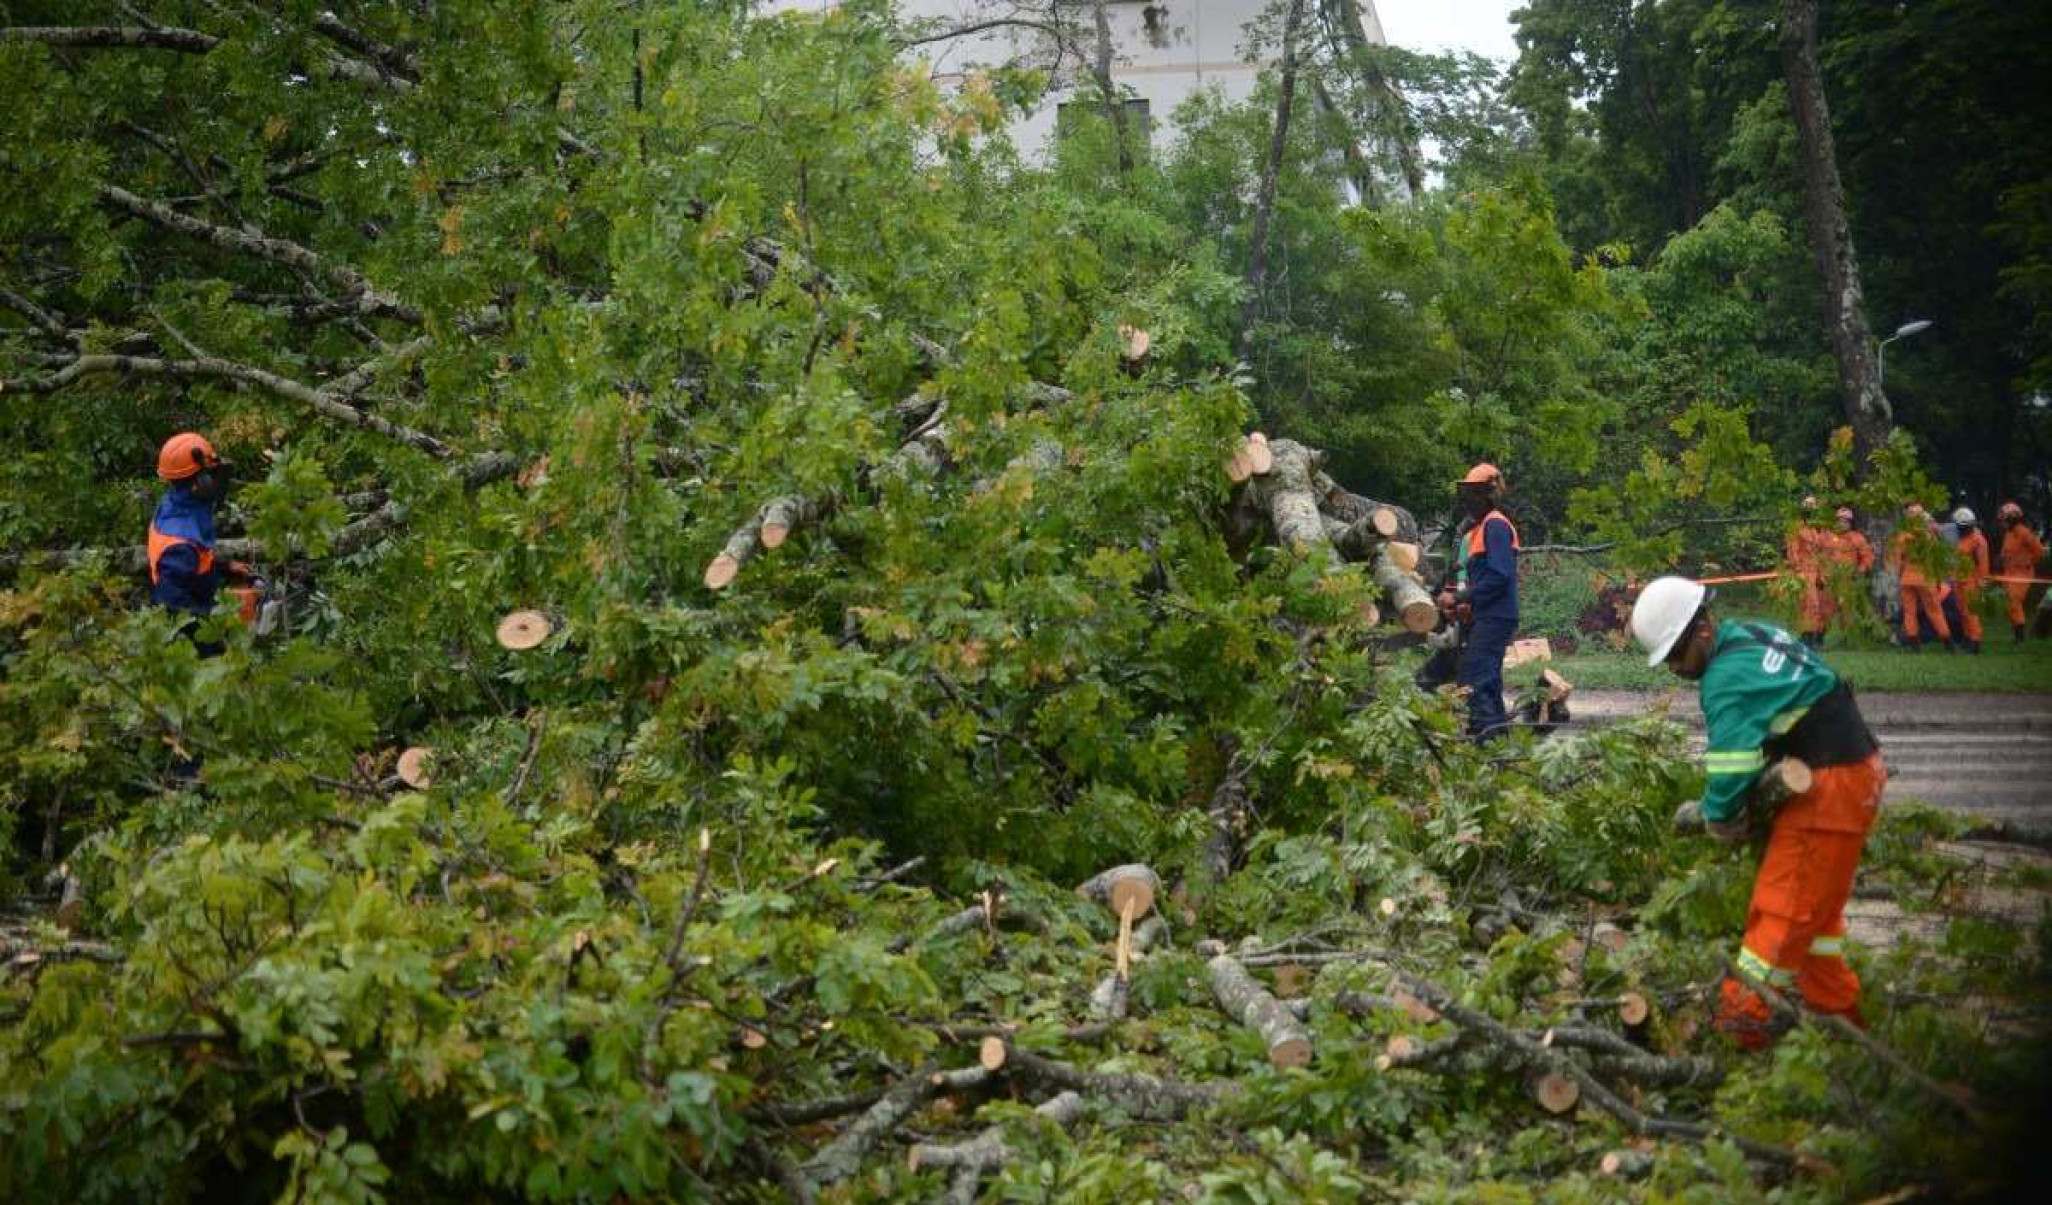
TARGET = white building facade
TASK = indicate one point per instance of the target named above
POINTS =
(1163, 51)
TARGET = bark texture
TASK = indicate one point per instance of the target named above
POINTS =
(1838, 268)
(1271, 170)
(1243, 999)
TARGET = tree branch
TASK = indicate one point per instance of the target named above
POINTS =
(112, 37)
(215, 367)
(276, 250)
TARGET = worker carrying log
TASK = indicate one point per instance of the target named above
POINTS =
(185, 576)
(1485, 600)
(1810, 551)
(1766, 696)
(2021, 552)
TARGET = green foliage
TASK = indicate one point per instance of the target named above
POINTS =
(640, 275)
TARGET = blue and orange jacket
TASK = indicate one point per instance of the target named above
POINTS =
(1491, 564)
(183, 576)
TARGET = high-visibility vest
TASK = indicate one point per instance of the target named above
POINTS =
(161, 543)
(1476, 541)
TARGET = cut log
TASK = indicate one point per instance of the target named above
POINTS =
(1525, 652)
(1291, 501)
(1406, 593)
(70, 899)
(1116, 887)
(991, 1053)
(1134, 343)
(523, 630)
(780, 515)
(1633, 1009)
(1251, 459)
(1556, 1093)
(1626, 1164)
(414, 769)
(1110, 998)
(1557, 688)
(1243, 999)
(1405, 556)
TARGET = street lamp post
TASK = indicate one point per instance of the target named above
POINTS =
(1907, 328)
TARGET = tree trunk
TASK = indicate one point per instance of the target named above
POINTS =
(1845, 320)
(1344, 18)
(1114, 106)
(1264, 201)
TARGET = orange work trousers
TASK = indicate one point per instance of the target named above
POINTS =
(1969, 594)
(1927, 598)
(1795, 926)
(2017, 592)
(1818, 605)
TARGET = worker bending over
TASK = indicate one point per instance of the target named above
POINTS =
(1487, 601)
(1766, 696)
(1913, 541)
(2021, 552)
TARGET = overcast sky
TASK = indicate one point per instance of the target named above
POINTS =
(1482, 26)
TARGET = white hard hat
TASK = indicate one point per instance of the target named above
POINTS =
(1663, 612)
(1964, 516)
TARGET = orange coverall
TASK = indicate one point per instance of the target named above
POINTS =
(1810, 551)
(2021, 552)
(1854, 550)
(1795, 925)
(1917, 590)
(1974, 547)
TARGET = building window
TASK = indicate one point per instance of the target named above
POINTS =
(1139, 118)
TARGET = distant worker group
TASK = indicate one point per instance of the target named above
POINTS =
(1940, 572)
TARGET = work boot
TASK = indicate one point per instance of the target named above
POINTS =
(1912, 646)
(2019, 629)
(1974, 647)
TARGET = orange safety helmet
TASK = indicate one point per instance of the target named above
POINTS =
(185, 455)
(1483, 474)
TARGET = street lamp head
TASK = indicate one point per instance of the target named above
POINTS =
(1912, 328)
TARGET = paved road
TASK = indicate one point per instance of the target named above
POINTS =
(1989, 754)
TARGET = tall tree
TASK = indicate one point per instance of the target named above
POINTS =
(1264, 203)
(1845, 318)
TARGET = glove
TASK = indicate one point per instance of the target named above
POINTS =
(1734, 831)
(241, 569)
(1688, 818)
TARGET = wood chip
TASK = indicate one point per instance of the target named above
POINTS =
(523, 630)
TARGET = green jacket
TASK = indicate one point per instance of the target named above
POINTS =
(1760, 681)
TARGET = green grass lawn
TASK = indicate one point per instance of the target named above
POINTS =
(2002, 666)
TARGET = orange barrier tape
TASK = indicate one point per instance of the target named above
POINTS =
(1736, 578)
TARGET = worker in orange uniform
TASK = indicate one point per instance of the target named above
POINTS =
(184, 574)
(1487, 600)
(1767, 696)
(1852, 547)
(2021, 552)
(1912, 541)
(1973, 551)
(1809, 553)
